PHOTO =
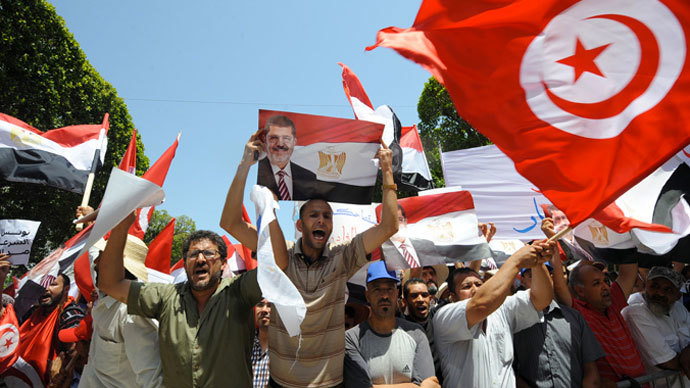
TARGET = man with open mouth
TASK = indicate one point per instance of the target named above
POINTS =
(319, 270)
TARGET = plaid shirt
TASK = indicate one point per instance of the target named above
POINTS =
(259, 364)
(622, 356)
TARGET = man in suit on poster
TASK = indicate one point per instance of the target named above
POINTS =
(401, 251)
(288, 180)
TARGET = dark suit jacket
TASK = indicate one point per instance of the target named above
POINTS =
(305, 186)
(426, 252)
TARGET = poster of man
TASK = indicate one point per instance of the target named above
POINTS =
(308, 156)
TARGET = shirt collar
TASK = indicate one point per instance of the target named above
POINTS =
(287, 169)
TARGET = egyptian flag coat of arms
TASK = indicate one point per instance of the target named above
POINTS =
(60, 158)
(586, 97)
(311, 156)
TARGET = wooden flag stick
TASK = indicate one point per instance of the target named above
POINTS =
(560, 234)
(87, 195)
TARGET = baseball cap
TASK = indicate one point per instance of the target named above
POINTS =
(667, 273)
(82, 332)
(377, 270)
(547, 264)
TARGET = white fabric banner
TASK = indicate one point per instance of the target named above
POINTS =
(16, 238)
(500, 194)
(276, 287)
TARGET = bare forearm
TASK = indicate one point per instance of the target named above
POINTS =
(560, 287)
(231, 218)
(111, 271)
(590, 378)
(389, 211)
(491, 294)
(541, 293)
(627, 277)
(278, 244)
(374, 237)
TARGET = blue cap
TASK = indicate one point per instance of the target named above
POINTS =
(377, 270)
(547, 264)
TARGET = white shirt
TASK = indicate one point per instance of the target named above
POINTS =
(409, 247)
(472, 357)
(124, 348)
(658, 338)
(287, 177)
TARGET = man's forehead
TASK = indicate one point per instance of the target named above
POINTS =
(417, 287)
(278, 128)
(318, 205)
(662, 282)
(203, 242)
(469, 278)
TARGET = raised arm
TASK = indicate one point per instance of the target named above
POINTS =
(627, 275)
(231, 218)
(111, 270)
(491, 294)
(374, 237)
(560, 286)
(541, 292)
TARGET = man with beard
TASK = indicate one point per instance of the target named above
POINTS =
(660, 324)
(286, 179)
(601, 305)
(417, 301)
(55, 311)
(385, 350)
(262, 318)
(205, 323)
(319, 270)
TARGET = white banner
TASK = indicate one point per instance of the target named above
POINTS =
(500, 194)
(16, 238)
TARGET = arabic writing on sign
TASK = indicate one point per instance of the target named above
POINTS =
(534, 220)
(16, 239)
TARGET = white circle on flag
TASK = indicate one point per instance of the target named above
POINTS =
(599, 64)
(9, 339)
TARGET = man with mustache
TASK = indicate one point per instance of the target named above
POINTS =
(385, 350)
(660, 324)
(319, 270)
(288, 180)
(205, 327)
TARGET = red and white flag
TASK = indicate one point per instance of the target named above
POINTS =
(332, 158)
(415, 167)
(586, 97)
(155, 174)
(160, 249)
(60, 157)
(129, 160)
(178, 273)
(9, 338)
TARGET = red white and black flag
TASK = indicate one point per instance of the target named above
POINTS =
(319, 157)
(586, 97)
(60, 157)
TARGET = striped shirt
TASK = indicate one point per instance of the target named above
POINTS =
(622, 356)
(315, 357)
(259, 364)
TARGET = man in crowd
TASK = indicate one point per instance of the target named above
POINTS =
(561, 351)
(55, 311)
(417, 301)
(385, 350)
(124, 347)
(262, 318)
(474, 333)
(319, 271)
(283, 177)
(205, 323)
(660, 324)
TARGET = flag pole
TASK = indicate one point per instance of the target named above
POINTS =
(92, 174)
(560, 234)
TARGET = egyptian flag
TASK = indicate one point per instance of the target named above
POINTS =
(155, 174)
(129, 160)
(61, 158)
(332, 158)
(586, 97)
(649, 223)
(440, 229)
(415, 167)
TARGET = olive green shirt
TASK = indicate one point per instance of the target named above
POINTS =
(211, 350)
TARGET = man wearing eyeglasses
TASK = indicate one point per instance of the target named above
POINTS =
(206, 330)
(286, 179)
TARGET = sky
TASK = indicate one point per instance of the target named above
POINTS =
(205, 68)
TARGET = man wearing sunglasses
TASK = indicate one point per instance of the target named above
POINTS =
(205, 330)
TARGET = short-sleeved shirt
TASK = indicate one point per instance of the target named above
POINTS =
(659, 338)
(429, 330)
(402, 356)
(315, 357)
(473, 357)
(211, 350)
(622, 356)
(553, 353)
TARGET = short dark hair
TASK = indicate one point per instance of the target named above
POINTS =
(304, 206)
(410, 282)
(279, 121)
(65, 280)
(402, 211)
(431, 267)
(453, 275)
(202, 235)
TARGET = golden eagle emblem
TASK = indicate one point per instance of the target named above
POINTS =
(331, 163)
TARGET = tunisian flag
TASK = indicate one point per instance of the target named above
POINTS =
(586, 97)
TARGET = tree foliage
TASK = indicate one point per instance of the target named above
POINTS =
(184, 226)
(441, 127)
(48, 83)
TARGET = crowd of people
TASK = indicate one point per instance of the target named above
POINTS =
(530, 323)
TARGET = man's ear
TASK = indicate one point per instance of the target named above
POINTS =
(298, 225)
(579, 291)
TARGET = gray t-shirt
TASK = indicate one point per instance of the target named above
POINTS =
(402, 356)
